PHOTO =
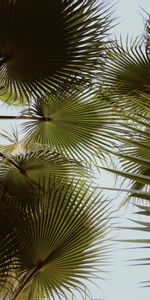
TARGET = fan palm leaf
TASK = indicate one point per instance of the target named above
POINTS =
(127, 72)
(22, 173)
(43, 43)
(144, 243)
(135, 168)
(132, 142)
(75, 123)
(56, 244)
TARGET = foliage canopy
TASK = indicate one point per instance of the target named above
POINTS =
(83, 99)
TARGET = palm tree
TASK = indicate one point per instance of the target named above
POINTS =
(59, 66)
(54, 222)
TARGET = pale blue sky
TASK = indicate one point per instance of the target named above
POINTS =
(130, 15)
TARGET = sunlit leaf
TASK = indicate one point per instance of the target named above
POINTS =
(58, 243)
(75, 123)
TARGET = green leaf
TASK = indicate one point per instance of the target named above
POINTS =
(58, 243)
(25, 172)
(128, 70)
(75, 123)
(61, 41)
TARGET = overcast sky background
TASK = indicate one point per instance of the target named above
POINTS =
(123, 281)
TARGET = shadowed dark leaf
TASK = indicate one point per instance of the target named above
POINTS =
(45, 43)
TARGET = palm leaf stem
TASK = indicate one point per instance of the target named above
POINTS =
(11, 161)
(24, 283)
(21, 170)
(19, 118)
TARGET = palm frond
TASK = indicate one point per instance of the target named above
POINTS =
(58, 243)
(61, 41)
(75, 123)
(137, 173)
(22, 173)
(144, 243)
(14, 144)
(132, 147)
(127, 72)
(147, 34)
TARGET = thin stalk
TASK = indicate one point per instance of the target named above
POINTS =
(11, 161)
(48, 119)
(23, 284)
(26, 280)
(18, 118)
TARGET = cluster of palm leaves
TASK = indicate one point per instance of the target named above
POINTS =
(82, 99)
(127, 74)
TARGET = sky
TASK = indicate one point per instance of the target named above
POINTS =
(130, 16)
(122, 281)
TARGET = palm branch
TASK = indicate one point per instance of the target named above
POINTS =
(134, 166)
(147, 34)
(127, 72)
(49, 43)
(132, 136)
(76, 123)
(23, 173)
(55, 245)
(143, 227)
